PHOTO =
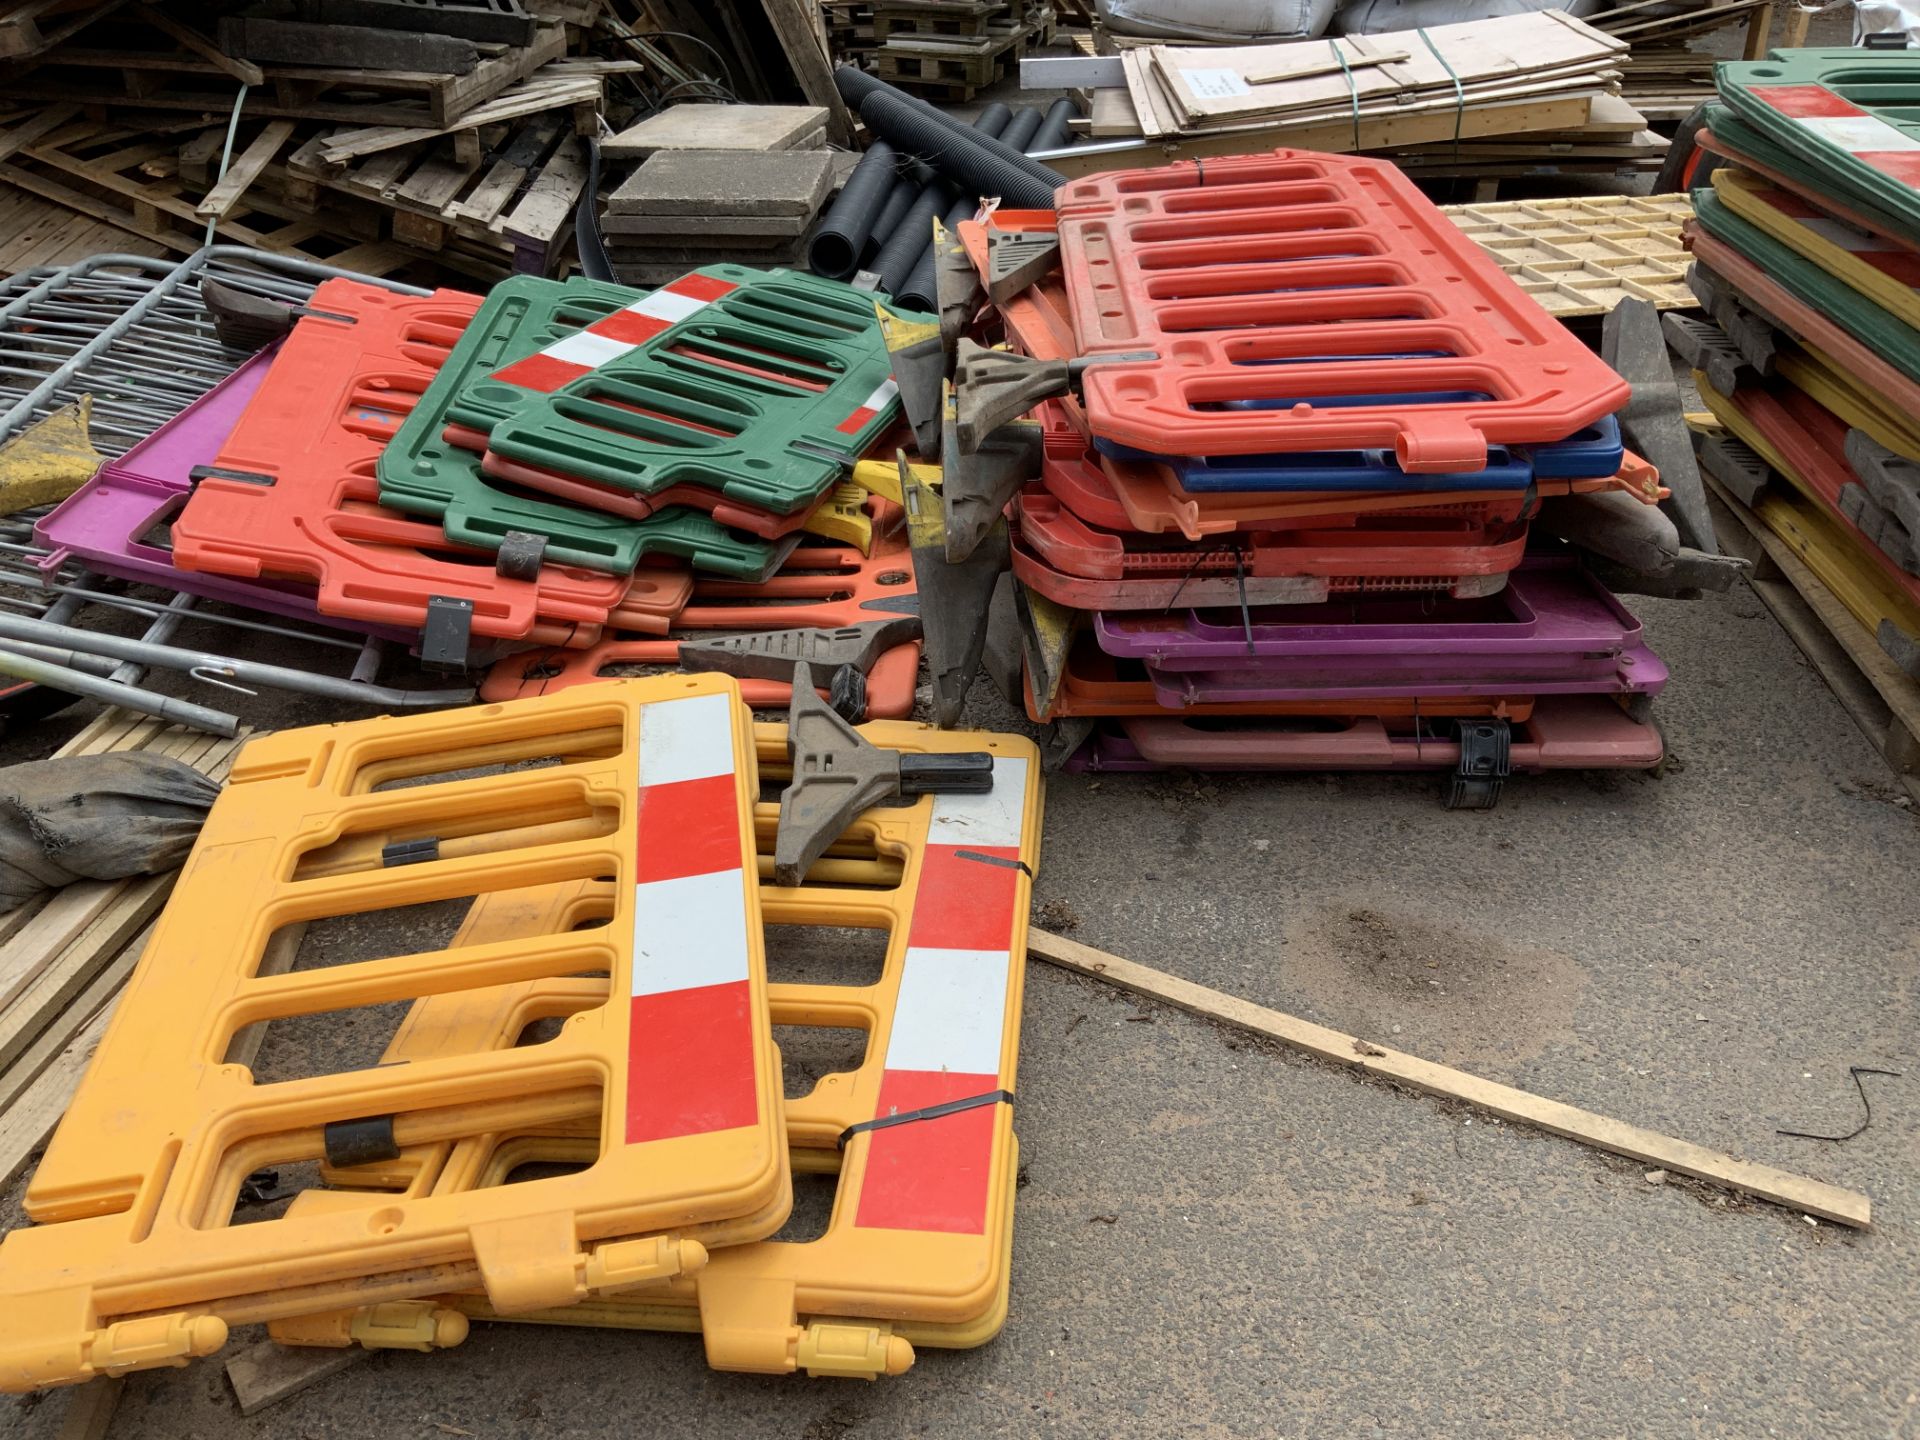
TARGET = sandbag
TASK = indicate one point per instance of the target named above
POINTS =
(1218, 20)
(96, 817)
(1377, 17)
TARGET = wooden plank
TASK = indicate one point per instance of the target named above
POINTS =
(548, 205)
(32, 1061)
(90, 1411)
(437, 180)
(77, 964)
(245, 71)
(244, 170)
(32, 1113)
(796, 25)
(528, 99)
(26, 134)
(1797, 1192)
(70, 912)
(266, 1373)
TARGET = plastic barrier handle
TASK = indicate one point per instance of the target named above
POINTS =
(969, 772)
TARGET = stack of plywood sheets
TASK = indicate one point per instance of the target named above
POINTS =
(1506, 75)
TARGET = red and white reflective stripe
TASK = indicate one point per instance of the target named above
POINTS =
(1841, 123)
(690, 1052)
(585, 351)
(1891, 259)
(949, 1020)
(870, 408)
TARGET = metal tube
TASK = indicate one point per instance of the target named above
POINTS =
(225, 668)
(165, 707)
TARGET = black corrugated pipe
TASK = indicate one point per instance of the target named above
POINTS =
(860, 89)
(1022, 128)
(961, 156)
(1056, 133)
(900, 251)
(914, 179)
(835, 249)
(919, 291)
(905, 191)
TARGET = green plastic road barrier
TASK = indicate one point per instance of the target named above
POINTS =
(1852, 114)
(1748, 145)
(1895, 342)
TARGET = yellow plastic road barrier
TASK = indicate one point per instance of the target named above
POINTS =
(648, 782)
(1803, 520)
(1883, 270)
(918, 1249)
(1809, 369)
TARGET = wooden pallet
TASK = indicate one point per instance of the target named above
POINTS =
(957, 68)
(1883, 700)
(511, 206)
(121, 177)
(183, 80)
(1583, 256)
(43, 232)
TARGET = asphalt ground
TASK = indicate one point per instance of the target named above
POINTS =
(1218, 1237)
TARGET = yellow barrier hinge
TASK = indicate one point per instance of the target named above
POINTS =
(395, 1325)
(626, 1264)
(856, 1352)
(154, 1341)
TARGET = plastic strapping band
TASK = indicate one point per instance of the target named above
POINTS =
(1459, 95)
(930, 1112)
(1353, 90)
(1000, 860)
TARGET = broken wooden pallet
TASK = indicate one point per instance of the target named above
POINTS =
(157, 77)
(131, 179)
(511, 205)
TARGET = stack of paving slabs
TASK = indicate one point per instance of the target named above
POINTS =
(698, 207)
(580, 1117)
(1283, 515)
(1807, 258)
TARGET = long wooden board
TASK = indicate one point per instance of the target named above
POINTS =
(1814, 1197)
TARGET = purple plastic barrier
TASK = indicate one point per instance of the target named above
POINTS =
(102, 524)
(1549, 606)
(1570, 732)
(1553, 631)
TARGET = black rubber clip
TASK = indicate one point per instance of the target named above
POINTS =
(929, 1112)
(1486, 759)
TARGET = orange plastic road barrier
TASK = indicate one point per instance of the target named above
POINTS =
(1140, 495)
(919, 1131)
(136, 1261)
(1086, 568)
(1093, 682)
(293, 493)
(1296, 274)
(820, 586)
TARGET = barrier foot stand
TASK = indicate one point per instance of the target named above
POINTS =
(977, 485)
(837, 773)
(919, 363)
(1654, 422)
(1017, 259)
(953, 598)
(956, 289)
(1781, 1187)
